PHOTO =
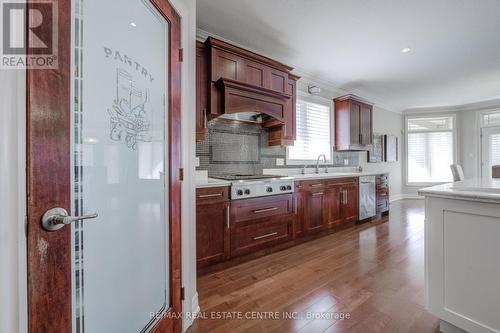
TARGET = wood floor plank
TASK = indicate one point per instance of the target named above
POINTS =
(373, 273)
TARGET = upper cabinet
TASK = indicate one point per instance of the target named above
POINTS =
(353, 123)
(237, 80)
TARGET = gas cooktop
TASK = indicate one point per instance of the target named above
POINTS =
(251, 186)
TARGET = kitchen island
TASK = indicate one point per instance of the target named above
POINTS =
(462, 248)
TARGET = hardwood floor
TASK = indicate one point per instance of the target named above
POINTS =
(372, 273)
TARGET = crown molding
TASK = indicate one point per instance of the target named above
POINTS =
(306, 77)
(488, 105)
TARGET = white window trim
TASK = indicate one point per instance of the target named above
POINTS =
(455, 147)
(479, 129)
(321, 101)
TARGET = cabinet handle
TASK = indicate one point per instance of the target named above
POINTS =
(204, 118)
(228, 217)
(264, 210)
(295, 206)
(266, 235)
(315, 185)
(210, 195)
(360, 138)
(317, 193)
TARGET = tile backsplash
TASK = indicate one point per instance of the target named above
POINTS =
(235, 147)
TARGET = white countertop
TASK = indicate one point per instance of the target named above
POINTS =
(211, 182)
(331, 175)
(475, 189)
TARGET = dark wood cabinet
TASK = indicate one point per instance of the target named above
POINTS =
(201, 91)
(315, 202)
(334, 196)
(350, 207)
(212, 225)
(353, 123)
(327, 204)
(229, 232)
(258, 223)
(231, 79)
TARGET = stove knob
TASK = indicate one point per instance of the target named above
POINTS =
(239, 192)
(283, 187)
(269, 189)
(247, 191)
(289, 187)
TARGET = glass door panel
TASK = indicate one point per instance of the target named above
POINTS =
(120, 259)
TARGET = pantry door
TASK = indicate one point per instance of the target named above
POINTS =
(103, 152)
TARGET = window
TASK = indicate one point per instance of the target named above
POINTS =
(491, 118)
(313, 123)
(430, 149)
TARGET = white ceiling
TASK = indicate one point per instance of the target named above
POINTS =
(355, 44)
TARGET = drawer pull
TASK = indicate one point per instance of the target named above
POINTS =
(315, 185)
(210, 195)
(266, 235)
(264, 210)
(317, 193)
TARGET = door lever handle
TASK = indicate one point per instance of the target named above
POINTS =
(56, 218)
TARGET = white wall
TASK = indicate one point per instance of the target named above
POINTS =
(387, 122)
(12, 202)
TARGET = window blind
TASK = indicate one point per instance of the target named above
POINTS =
(313, 126)
(495, 149)
(492, 118)
(430, 149)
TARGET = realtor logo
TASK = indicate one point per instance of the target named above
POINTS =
(29, 34)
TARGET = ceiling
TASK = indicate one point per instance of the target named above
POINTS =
(355, 45)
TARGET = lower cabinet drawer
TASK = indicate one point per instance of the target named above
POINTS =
(258, 208)
(256, 236)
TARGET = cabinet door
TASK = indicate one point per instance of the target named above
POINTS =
(277, 80)
(354, 118)
(334, 205)
(255, 73)
(227, 65)
(298, 210)
(201, 91)
(366, 124)
(350, 207)
(314, 217)
(212, 233)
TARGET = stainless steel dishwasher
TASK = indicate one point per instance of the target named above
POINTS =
(367, 207)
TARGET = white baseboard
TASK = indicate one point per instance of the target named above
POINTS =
(191, 313)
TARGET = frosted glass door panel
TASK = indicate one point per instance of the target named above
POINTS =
(121, 259)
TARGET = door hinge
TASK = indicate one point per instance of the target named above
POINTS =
(182, 293)
(181, 173)
(181, 55)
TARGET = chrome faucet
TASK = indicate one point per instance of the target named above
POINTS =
(317, 163)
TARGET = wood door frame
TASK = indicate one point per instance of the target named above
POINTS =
(48, 148)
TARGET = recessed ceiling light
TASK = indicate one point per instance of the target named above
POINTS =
(405, 50)
(133, 24)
